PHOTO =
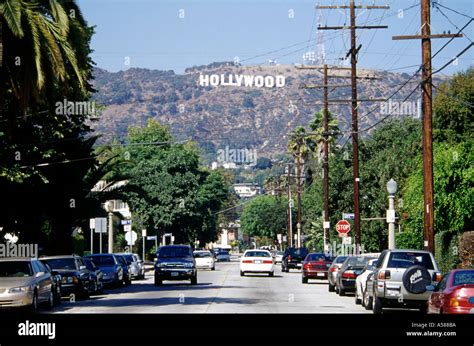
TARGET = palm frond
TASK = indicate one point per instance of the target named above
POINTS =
(10, 10)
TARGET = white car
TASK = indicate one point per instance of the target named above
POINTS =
(204, 260)
(257, 261)
(361, 281)
(278, 255)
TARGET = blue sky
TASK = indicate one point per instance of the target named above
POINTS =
(174, 34)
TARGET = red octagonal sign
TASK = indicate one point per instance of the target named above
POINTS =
(343, 227)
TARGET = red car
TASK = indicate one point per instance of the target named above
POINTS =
(315, 266)
(454, 294)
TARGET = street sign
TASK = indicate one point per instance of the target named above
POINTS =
(343, 227)
(91, 223)
(100, 225)
(126, 222)
(347, 241)
(326, 224)
(350, 216)
(127, 228)
(143, 232)
(131, 237)
(390, 215)
(151, 237)
(279, 238)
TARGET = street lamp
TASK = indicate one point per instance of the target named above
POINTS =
(110, 210)
(391, 189)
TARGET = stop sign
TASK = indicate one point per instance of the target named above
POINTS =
(343, 227)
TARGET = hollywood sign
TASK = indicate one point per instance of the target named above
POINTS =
(242, 80)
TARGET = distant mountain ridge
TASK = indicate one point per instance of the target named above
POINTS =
(235, 116)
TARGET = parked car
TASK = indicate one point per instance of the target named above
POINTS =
(350, 269)
(204, 260)
(25, 282)
(257, 261)
(75, 277)
(454, 294)
(97, 277)
(141, 265)
(315, 266)
(293, 258)
(333, 270)
(278, 256)
(175, 262)
(223, 256)
(361, 281)
(127, 271)
(401, 278)
(56, 284)
(110, 267)
(136, 270)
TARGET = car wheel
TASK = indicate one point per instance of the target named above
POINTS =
(34, 302)
(50, 302)
(331, 287)
(242, 273)
(304, 280)
(270, 274)
(357, 300)
(158, 282)
(378, 305)
(341, 292)
(213, 268)
(367, 300)
(194, 280)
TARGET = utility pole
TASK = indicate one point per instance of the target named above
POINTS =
(326, 159)
(290, 221)
(326, 135)
(298, 193)
(354, 106)
(427, 110)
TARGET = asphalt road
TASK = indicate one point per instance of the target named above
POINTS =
(219, 291)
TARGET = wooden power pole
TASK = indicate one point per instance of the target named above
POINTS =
(355, 126)
(427, 109)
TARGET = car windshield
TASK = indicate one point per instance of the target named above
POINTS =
(61, 263)
(318, 257)
(340, 259)
(89, 264)
(121, 260)
(257, 254)
(202, 254)
(279, 253)
(15, 269)
(129, 259)
(175, 252)
(357, 261)
(408, 259)
(299, 252)
(103, 260)
(465, 277)
(223, 253)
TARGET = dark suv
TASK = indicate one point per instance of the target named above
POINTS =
(293, 258)
(175, 262)
(75, 277)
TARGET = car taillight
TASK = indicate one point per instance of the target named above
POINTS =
(333, 269)
(306, 266)
(267, 261)
(454, 302)
(349, 274)
(247, 261)
(437, 277)
(384, 274)
(289, 257)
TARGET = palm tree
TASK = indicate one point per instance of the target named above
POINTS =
(36, 53)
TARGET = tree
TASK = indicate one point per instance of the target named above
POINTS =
(454, 197)
(169, 191)
(453, 108)
(264, 216)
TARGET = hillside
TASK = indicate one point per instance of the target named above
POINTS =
(237, 116)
